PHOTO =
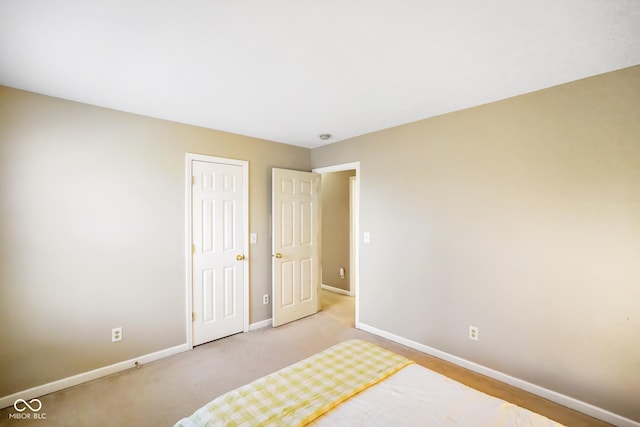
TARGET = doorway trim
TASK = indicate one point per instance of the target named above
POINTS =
(353, 236)
(355, 288)
(189, 159)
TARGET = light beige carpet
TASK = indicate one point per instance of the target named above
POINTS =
(162, 392)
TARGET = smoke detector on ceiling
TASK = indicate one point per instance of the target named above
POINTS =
(324, 136)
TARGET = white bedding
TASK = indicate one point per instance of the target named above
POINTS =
(417, 396)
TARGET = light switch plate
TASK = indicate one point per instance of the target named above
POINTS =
(366, 237)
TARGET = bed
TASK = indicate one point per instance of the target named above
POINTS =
(356, 383)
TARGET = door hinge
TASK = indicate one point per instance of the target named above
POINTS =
(193, 180)
(193, 317)
(193, 248)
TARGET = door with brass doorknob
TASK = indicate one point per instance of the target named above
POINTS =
(218, 202)
(296, 244)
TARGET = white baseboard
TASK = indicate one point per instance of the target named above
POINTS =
(336, 290)
(260, 324)
(559, 398)
(51, 387)
(58, 385)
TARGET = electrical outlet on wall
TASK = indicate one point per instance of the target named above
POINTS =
(116, 334)
(473, 333)
(265, 299)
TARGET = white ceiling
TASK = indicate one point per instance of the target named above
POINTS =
(289, 70)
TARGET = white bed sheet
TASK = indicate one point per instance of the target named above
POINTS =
(417, 396)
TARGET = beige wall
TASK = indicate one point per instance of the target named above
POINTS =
(521, 217)
(92, 233)
(335, 228)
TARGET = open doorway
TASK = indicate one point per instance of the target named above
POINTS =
(339, 286)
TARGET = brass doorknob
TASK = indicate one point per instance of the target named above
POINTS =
(239, 257)
(278, 255)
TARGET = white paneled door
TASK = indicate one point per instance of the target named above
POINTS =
(296, 244)
(218, 237)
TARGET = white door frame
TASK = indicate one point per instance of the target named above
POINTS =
(353, 236)
(355, 287)
(189, 158)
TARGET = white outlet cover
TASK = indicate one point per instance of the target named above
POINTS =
(473, 333)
